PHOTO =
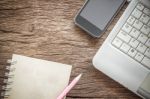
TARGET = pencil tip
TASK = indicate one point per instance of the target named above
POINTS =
(79, 76)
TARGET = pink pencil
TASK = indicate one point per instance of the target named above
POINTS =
(69, 87)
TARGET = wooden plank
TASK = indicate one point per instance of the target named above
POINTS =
(45, 29)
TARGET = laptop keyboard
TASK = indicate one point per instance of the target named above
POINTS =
(134, 37)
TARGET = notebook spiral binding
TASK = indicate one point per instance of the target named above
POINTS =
(7, 79)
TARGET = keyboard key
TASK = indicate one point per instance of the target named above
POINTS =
(145, 29)
(117, 42)
(131, 20)
(137, 24)
(142, 38)
(125, 48)
(148, 43)
(141, 48)
(146, 62)
(136, 13)
(134, 43)
(124, 36)
(132, 52)
(148, 24)
(146, 11)
(145, 18)
(147, 53)
(135, 33)
(127, 28)
(139, 57)
(140, 6)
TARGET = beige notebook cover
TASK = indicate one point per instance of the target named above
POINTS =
(37, 79)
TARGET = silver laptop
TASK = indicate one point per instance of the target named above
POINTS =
(125, 54)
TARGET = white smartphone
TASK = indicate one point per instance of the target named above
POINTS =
(96, 15)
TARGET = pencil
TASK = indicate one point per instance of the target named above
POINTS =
(69, 87)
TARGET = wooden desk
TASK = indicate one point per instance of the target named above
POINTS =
(45, 29)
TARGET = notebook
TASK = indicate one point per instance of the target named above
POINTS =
(31, 78)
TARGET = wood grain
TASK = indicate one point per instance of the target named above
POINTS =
(45, 29)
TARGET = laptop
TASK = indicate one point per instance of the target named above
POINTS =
(125, 54)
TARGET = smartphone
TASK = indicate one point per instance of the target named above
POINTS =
(96, 15)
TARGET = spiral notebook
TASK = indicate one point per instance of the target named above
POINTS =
(31, 78)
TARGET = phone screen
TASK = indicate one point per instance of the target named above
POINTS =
(100, 12)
